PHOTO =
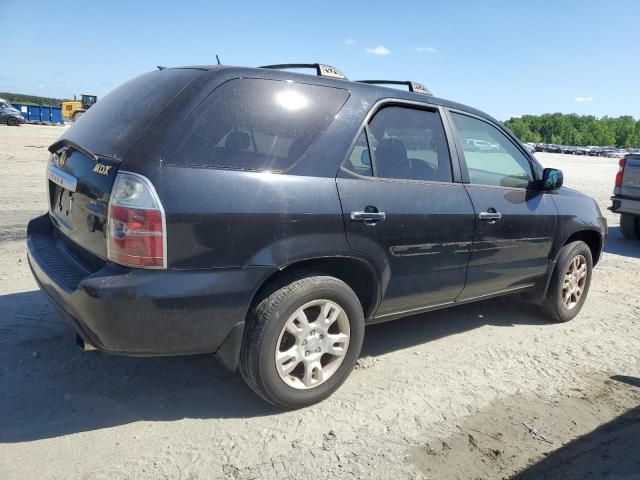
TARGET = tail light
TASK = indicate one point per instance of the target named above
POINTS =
(136, 234)
(620, 173)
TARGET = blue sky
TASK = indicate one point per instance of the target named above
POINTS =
(504, 57)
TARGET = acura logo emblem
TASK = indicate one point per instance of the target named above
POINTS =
(62, 159)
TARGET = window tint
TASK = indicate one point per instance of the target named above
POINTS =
(251, 124)
(409, 143)
(491, 158)
(115, 123)
(360, 160)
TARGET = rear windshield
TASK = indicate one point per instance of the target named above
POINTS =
(254, 124)
(116, 121)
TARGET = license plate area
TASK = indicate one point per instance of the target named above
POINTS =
(62, 178)
(62, 188)
(61, 207)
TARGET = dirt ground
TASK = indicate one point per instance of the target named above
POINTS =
(488, 390)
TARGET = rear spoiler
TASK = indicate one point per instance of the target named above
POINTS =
(68, 143)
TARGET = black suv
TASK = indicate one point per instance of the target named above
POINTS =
(268, 216)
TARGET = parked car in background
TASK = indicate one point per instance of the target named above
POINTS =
(595, 151)
(568, 149)
(9, 114)
(236, 211)
(553, 148)
(480, 145)
(626, 195)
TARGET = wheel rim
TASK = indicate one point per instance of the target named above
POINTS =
(312, 344)
(574, 281)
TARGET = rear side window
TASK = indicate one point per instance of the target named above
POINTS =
(254, 124)
(116, 122)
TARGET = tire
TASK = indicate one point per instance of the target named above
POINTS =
(265, 335)
(12, 122)
(77, 115)
(630, 226)
(555, 306)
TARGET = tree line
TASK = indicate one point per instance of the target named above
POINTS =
(579, 130)
(31, 99)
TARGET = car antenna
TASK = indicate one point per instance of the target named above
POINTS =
(218, 59)
(160, 67)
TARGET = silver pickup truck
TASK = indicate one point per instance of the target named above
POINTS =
(626, 195)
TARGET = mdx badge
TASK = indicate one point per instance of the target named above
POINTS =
(102, 169)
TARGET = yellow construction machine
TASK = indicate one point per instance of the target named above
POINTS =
(74, 109)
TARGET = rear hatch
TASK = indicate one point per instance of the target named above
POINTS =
(86, 159)
(630, 186)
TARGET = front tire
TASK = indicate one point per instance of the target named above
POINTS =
(12, 122)
(302, 341)
(630, 226)
(570, 282)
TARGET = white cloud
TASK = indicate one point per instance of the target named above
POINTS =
(584, 99)
(425, 49)
(349, 41)
(379, 50)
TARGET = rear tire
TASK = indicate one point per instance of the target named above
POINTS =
(294, 359)
(12, 122)
(630, 226)
(570, 282)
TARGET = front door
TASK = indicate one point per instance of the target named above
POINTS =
(515, 221)
(402, 208)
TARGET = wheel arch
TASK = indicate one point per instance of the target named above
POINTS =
(359, 274)
(591, 237)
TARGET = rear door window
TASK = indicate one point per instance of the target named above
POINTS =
(255, 124)
(359, 160)
(406, 143)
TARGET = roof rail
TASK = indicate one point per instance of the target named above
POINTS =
(321, 69)
(413, 86)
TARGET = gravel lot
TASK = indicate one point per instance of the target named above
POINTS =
(480, 391)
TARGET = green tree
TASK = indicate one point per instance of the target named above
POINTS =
(573, 129)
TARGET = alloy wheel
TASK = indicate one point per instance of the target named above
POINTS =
(574, 281)
(312, 344)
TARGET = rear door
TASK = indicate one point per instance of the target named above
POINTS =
(515, 222)
(79, 185)
(402, 208)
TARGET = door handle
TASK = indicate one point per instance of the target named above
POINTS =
(490, 216)
(369, 218)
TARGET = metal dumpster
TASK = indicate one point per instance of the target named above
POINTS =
(40, 113)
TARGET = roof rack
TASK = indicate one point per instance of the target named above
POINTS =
(321, 69)
(413, 86)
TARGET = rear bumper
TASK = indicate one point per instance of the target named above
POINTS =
(141, 312)
(625, 205)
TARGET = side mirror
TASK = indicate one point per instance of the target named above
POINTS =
(365, 158)
(552, 179)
